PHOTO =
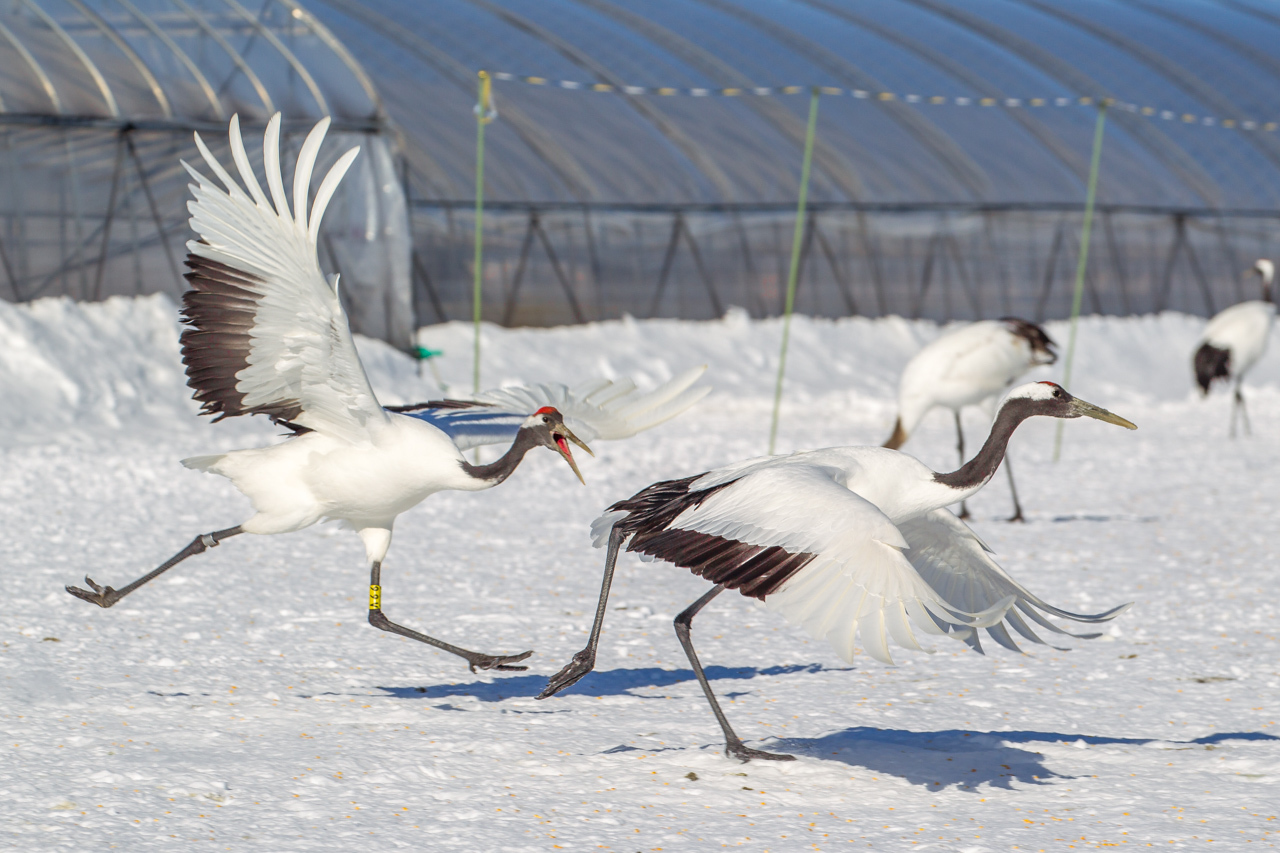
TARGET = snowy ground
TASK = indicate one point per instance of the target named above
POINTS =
(244, 703)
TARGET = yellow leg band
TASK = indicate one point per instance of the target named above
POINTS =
(375, 597)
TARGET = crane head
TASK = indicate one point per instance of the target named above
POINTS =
(548, 428)
(1266, 271)
(1052, 400)
(1036, 338)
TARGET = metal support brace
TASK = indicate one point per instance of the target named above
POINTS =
(111, 212)
(155, 214)
(677, 224)
(837, 272)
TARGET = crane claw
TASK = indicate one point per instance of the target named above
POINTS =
(581, 664)
(502, 663)
(103, 596)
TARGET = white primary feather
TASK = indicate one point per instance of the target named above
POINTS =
(959, 567)
(301, 343)
(599, 409)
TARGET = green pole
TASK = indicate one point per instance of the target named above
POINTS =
(796, 239)
(483, 117)
(1082, 262)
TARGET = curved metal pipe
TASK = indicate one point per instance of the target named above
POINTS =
(287, 54)
(339, 49)
(954, 158)
(98, 79)
(691, 149)
(35, 67)
(832, 164)
(1172, 70)
(1066, 155)
(232, 54)
(551, 152)
(180, 54)
(1157, 144)
(136, 61)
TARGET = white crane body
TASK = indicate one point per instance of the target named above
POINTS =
(315, 476)
(1233, 342)
(853, 544)
(267, 334)
(1243, 330)
(964, 367)
(968, 366)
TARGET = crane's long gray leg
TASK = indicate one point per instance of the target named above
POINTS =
(585, 660)
(1244, 411)
(1017, 507)
(105, 596)
(475, 660)
(964, 510)
(732, 743)
(1235, 403)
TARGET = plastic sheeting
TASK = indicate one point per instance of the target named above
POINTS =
(554, 145)
(98, 101)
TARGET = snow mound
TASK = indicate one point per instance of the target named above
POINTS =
(115, 364)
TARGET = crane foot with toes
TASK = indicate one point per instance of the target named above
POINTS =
(745, 753)
(583, 662)
(502, 663)
(103, 596)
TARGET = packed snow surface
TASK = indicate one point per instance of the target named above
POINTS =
(242, 702)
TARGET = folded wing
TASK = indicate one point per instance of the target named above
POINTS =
(599, 409)
(268, 334)
(958, 566)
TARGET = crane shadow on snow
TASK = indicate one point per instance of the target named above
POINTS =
(612, 682)
(961, 759)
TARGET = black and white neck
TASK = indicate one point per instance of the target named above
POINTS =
(502, 468)
(1038, 398)
(545, 428)
(974, 474)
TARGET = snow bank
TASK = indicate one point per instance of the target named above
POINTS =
(115, 364)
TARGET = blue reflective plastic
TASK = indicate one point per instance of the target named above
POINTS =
(1184, 56)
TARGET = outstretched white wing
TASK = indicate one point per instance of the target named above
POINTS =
(956, 563)
(268, 334)
(823, 556)
(599, 409)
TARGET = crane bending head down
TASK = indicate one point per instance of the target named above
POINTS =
(967, 366)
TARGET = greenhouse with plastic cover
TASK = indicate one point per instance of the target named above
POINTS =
(645, 158)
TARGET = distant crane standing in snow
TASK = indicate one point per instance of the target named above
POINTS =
(971, 365)
(268, 335)
(1234, 340)
(842, 541)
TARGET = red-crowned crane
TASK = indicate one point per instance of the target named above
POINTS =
(1234, 340)
(969, 366)
(268, 335)
(845, 542)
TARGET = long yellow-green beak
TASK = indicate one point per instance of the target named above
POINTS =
(1089, 410)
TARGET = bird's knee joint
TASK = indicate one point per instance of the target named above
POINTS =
(207, 540)
(378, 619)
